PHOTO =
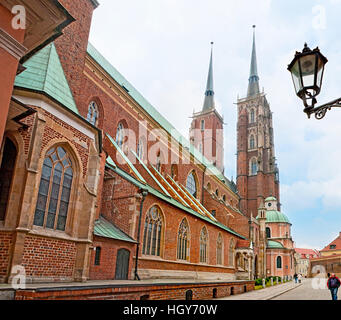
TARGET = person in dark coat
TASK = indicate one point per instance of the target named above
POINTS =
(333, 285)
(295, 277)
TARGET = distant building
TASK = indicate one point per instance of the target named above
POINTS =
(302, 260)
(329, 260)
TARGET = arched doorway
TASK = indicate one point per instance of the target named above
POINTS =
(6, 174)
(122, 264)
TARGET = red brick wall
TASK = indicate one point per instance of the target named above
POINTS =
(6, 241)
(47, 257)
(107, 267)
(154, 292)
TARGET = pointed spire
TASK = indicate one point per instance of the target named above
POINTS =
(253, 87)
(209, 93)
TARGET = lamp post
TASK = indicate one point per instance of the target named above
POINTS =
(306, 70)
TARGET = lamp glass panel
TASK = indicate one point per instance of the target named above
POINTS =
(295, 73)
(320, 68)
(308, 69)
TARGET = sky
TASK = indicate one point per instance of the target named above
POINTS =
(162, 47)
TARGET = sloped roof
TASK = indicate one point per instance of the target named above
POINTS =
(336, 242)
(167, 198)
(44, 74)
(162, 121)
(310, 252)
(104, 228)
(271, 244)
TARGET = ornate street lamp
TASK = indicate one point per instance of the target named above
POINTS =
(307, 72)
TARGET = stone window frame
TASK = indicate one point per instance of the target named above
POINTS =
(183, 241)
(53, 154)
(253, 170)
(220, 249)
(203, 245)
(252, 142)
(153, 224)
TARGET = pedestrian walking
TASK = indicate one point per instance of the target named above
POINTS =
(299, 278)
(333, 285)
(295, 277)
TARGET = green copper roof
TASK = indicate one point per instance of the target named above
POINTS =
(163, 122)
(274, 245)
(271, 198)
(104, 228)
(44, 73)
(168, 199)
(276, 216)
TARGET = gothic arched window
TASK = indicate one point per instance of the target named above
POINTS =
(6, 174)
(120, 134)
(252, 141)
(158, 162)
(219, 249)
(92, 113)
(253, 166)
(152, 232)
(231, 253)
(203, 245)
(183, 240)
(54, 190)
(279, 262)
(252, 116)
(191, 184)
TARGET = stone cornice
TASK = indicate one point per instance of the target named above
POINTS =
(12, 46)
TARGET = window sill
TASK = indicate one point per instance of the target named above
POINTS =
(49, 233)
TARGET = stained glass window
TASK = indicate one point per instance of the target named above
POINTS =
(54, 190)
(119, 134)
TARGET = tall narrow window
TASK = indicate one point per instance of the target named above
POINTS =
(253, 166)
(203, 245)
(268, 232)
(174, 171)
(54, 190)
(6, 174)
(252, 141)
(191, 184)
(92, 113)
(158, 162)
(97, 256)
(152, 232)
(183, 240)
(231, 253)
(252, 116)
(140, 149)
(219, 249)
(279, 262)
(119, 134)
(202, 124)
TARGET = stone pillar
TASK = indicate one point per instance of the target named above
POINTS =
(263, 283)
(272, 281)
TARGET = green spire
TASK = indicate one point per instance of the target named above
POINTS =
(209, 93)
(253, 87)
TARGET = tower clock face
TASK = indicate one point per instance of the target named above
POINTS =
(269, 204)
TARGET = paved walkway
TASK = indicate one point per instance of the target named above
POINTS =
(311, 289)
(266, 293)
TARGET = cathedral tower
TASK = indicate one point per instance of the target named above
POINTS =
(206, 131)
(257, 172)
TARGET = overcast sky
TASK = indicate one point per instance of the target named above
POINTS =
(162, 47)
